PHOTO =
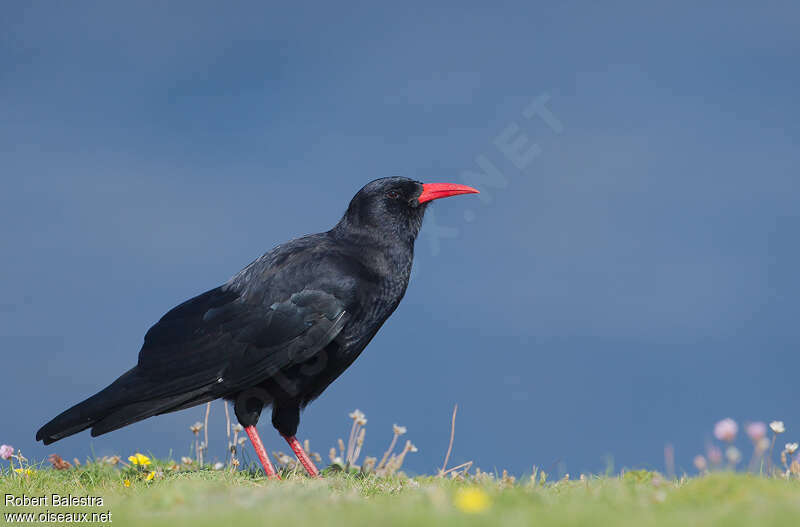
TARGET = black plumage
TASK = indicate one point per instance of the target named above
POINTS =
(279, 331)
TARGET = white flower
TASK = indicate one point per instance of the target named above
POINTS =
(356, 415)
(399, 430)
(791, 447)
(733, 454)
(218, 466)
(777, 427)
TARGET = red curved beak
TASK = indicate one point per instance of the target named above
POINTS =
(431, 191)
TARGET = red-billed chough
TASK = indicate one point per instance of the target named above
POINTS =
(278, 332)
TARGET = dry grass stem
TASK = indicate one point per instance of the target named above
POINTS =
(450, 446)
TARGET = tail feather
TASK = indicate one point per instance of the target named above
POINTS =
(85, 414)
(132, 413)
(114, 407)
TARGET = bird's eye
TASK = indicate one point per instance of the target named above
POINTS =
(392, 194)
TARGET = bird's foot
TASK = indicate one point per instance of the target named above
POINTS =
(302, 456)
(261, 452)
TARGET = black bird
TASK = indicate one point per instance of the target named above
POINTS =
(278, 332)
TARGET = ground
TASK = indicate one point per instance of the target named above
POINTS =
(226, 497)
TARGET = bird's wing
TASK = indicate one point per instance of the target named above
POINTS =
(219, 340)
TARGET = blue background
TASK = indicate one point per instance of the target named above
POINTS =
(634, 283)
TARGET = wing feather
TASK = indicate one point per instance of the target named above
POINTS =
(220, 342)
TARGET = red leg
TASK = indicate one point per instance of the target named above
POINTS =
(302, 456)
(252, 433)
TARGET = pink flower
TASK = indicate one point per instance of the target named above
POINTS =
(726, 430)
(6, 451)
(700, 463)
(756, 431)
(714, 455)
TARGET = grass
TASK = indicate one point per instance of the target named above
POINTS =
(144, 491)
(226, 497)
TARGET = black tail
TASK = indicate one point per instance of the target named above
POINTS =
(114, 407)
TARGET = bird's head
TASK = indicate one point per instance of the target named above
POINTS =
(396, 205)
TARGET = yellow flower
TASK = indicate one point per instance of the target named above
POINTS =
(139, 459)
(24, 471)
(472, 500)
(150, 476)
(127, 483)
